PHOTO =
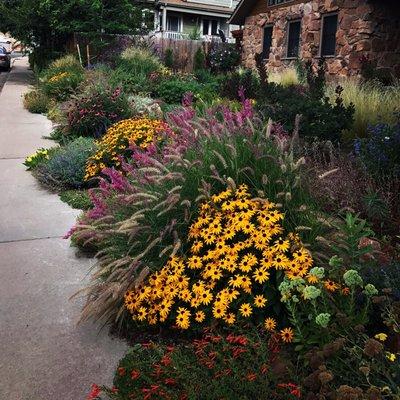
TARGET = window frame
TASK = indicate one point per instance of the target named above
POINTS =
(322, 33)
(288, 36)
(263, 37)
(180, 23)
(210, 21)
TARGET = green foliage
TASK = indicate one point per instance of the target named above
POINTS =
(133, 70)
(195, 33)
(234, 81)
(301, 71)
(36, 101)
(78, 199)
(214, 367)
(172, 91)
(46, 25)
(93, 111)
(169, 58)
(66, 166)
(199, 61)
(223, 58)
(36, 159)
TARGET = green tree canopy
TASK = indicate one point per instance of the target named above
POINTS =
(48, 23)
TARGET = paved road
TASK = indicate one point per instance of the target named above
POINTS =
(43, 354)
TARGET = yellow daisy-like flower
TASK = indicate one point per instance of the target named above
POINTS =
(270, 324)
(281, 245)
(260, 301)
(261, 275)
(246, 310)
(331, 286)
(230, 318)
(287, 335)
(200, 316)
(195, 262)
(381, 336)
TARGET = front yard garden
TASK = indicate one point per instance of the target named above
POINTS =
(246, 226)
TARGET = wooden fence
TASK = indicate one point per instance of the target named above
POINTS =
(105, 47)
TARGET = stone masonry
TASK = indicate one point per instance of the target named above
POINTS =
(365, 28)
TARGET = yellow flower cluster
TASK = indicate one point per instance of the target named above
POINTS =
(117, 140)
(59, 77)
(237, 244)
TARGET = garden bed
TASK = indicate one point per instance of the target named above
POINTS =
(247, 231)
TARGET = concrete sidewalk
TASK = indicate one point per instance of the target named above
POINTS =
(43, 354)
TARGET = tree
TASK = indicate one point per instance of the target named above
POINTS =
(47, 24)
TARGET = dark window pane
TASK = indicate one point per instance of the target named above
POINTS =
(173, 24)
(294, 39)
(214, 27)
(267, 42)
(328, 45)
(205, 26)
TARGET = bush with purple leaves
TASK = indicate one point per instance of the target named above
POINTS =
(380, 151)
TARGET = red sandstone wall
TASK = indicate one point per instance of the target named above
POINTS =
(366, 27)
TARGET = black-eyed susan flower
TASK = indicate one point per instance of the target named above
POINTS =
(246, 310)
(261, 275)
(200, 316)
(270, 324)
(331, 285)
(230, 318)
(287, 335)
(260, 301)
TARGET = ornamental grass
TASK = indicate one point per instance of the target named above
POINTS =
(238, 252)
(141, 216)
(119, 141)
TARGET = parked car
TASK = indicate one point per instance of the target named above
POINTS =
(5, 58)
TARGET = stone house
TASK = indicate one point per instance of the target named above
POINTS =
(341, 31)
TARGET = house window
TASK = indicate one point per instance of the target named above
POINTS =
(293, 39)
(173, 23)
(328, 41)
(267, 42)
(210, 27)
(275, 2)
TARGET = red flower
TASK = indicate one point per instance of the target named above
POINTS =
(114, 390)
(251, 377)
(135, 374)
(94, 393)
(121, 371)
(166, 360)
(170, 381)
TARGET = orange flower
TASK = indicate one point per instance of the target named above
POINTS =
(287, 335)
(251, 377)
(135, 374)
(345, 291)
(330, 285)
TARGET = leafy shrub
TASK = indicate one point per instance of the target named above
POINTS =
(319, 119)
(121, 140)
(235, 82)
(66, 166)
(380, 151)
(199, 61)
(214, 367)
(62, 77)
(173, 90)
(36, 102)
(91, 113)
(223, 58)
(32, 161)
(133, 70)
(370, 72)
(78, 199)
